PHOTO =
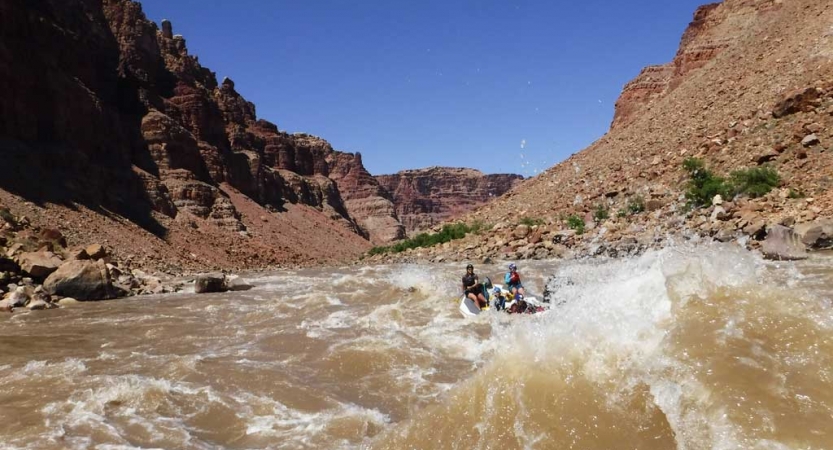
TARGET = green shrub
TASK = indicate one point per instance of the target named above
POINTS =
(576, 223)
(601, 213)
(796, 194)
(446, 234)
(528, 221)
(703, 185)
(636, 205)
(622, 213)
(754, 182)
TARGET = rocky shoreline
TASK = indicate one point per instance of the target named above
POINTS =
(39, 270)
(781, 227)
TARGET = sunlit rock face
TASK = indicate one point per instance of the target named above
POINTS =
(426, 197)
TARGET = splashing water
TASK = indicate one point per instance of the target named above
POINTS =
(686, 348)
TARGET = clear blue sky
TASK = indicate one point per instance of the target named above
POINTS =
(500, 86)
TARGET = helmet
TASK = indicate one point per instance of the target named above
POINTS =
(496, 291)
(469, 267)
(512, 266)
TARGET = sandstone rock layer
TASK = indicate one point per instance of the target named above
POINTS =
(426, 197)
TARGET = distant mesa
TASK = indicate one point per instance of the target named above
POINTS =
(426, 197)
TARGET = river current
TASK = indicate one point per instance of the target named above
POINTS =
(705, 347)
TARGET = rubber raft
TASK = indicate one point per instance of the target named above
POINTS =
(469, 309)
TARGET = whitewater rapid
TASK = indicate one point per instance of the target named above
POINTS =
(705, 347)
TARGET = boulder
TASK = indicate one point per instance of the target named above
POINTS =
(96, 251)
(39, 264)
(14, 250)
(18, 297)
(210, 282)
(783, 244)
(756, 229)
(53, 235)
(725, 235)
(68, 301)
(810, 140)
(37, 305)
(82, 280)
(802, 100)
(78, 253)
(816, 235)
(236, 283)
(521, 231)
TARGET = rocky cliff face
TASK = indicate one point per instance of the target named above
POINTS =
(366, 200)
(201, 133)
(105, 109)
(426, 197)
(702, 41)
(67, 119)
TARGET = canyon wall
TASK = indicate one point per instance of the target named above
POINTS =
(426, 197)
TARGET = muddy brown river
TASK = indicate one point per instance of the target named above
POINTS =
(687, 348)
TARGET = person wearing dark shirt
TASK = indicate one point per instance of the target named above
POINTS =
(472, 288)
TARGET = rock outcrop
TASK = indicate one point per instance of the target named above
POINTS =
(81, 280)
(707, 35)
(426, 197)
(366, 200)
(105, 110)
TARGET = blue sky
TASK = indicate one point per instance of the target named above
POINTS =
(498, 86)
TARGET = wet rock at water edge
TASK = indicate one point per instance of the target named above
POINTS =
(816, 235)
(210, 282)
(783, 244)
(237, 283)
(37, 305)
(18, 297)
(68, 301)
(82, 280)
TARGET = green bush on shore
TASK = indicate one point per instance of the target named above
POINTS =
(601, 213)
(576, 223)
(754, 182)
(703, 185)
(530, 222)
(446, 234)
(636, 205)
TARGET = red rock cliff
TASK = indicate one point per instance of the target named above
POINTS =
(699, 45)
(366, 200)
(104, 109)
(429, 196)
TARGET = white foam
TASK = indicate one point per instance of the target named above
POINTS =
(295, 428)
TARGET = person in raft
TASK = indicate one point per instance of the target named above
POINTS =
(512, 282)
(473, 289)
